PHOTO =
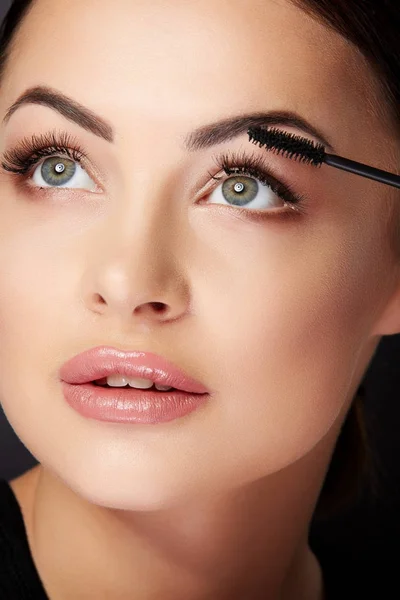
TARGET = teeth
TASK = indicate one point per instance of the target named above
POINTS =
(162, 388)
(119, 381)
(143, 384)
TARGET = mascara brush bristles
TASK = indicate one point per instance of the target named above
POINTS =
(288, 144)
(288, 154)
(304, 150)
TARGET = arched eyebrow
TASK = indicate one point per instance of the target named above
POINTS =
(67, 107)
(227, 129)
(199, 139)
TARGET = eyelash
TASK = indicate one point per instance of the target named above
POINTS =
(254, 165)
(26, 155)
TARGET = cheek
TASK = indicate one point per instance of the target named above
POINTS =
(31, 276)
(287, 337)
(33, 303)
(276, 332)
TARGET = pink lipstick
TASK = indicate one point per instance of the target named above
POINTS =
(85, 388)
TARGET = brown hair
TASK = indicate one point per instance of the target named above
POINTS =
(372, 26)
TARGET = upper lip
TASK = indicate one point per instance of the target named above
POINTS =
(103, 361)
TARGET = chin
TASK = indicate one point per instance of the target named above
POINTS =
(130, 491)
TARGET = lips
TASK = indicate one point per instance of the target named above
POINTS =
(103, 361)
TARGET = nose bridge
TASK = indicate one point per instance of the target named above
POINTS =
(147, 201)
(139, 240)
(146, 213)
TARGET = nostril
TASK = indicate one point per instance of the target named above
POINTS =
(158, 306)
(100, 299)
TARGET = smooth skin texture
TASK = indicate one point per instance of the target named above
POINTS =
(278, 317)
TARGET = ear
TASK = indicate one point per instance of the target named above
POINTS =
(388, 322)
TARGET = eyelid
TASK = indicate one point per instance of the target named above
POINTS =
(245, 157)
(56, 142)
(253, 160)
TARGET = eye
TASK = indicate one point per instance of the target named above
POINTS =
(51, 160)
(61, 172)
(244, 191)
(251, 187)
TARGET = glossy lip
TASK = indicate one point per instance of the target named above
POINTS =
(103, 361)
(130, 405)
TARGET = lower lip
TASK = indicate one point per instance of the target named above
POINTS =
(128, 405)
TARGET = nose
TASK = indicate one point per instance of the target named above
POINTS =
(137, 276)
(114, 304)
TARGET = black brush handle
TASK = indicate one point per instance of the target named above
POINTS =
(364, 170)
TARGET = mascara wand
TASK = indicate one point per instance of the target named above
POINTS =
(304, 150)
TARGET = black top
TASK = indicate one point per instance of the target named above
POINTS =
(19, 579)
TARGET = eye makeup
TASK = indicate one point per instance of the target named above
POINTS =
(254, 166)
(25, 156)
(29, 151)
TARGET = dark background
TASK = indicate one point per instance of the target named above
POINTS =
(367, 531)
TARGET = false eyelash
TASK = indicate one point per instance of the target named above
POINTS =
(19, 160)
(253, 165)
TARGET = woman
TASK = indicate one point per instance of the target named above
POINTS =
(124, 239)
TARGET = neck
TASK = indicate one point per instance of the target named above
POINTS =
(251, 543)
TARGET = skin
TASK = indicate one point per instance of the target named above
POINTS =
(278, 317)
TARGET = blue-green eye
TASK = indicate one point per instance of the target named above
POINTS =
(250, 185)
(247, 192)
(60, 168)
(62, 172)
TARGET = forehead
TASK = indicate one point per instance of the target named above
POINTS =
(174, 59)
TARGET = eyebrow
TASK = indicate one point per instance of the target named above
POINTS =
(222, 131)
(199, 139)
(67, 107)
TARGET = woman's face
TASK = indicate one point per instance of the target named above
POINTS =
(272, 307)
